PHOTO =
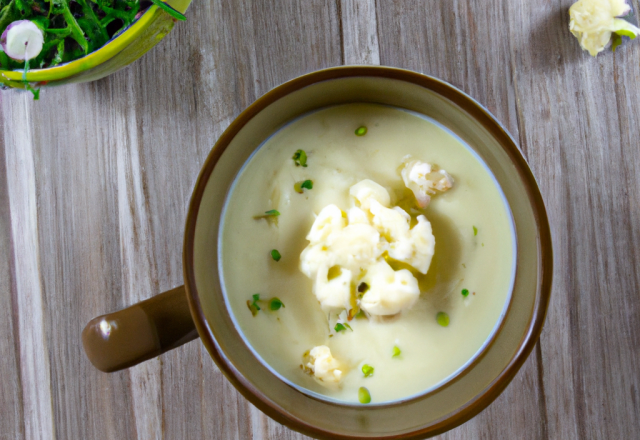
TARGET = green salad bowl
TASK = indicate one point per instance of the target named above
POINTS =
(119, 52)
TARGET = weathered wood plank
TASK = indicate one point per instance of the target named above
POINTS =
(359, 32)
(30, 302)
(580, 129)
(11, 405)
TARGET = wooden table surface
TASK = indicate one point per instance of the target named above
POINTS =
(95, 180)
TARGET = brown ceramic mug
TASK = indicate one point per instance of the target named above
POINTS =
(166, 321)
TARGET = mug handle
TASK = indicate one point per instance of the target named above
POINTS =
(140, 332)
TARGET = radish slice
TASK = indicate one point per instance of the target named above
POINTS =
(22, 40)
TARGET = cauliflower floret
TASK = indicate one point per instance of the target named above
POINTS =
(345, 248)
(329, 220)
(390, 291)
(334, 294)
(592, 22)
(413, 246)
(323, 365)
(349, 247)
(367, 190)
(423, 179)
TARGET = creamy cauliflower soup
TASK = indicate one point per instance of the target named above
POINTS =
(367, 253)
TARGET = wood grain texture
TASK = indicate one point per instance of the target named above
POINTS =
(95, 180)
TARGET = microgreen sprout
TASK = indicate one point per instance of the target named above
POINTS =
(465, 292)
(275, 304)
(364, 396)
(275, 255)
(361, 131)
(271, 216)
(300, 158)
(442, 319)
(253, 305)
(367, 370)
(396, 351)
(299, 187)
(341, 327)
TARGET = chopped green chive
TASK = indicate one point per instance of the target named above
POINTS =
(364, 396)
(475, 231)
(299, 187)
(275, 304)
(300, 158)
(275, 255)
(253, 306)
(443, 319)
(465, 292)
(396, 351)
(361, 131)
(270, 216)
(367, 370)
(341, 327)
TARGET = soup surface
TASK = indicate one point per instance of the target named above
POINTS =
(469, 279)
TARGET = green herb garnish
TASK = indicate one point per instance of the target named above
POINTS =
(465, 292)
(396, 351)
(275, 255)
(443, 319)
(299, 187)
(364, 396)
(367, 370)
(300, 158)
(341, 327)
(271, 216)
(361, 131)
(475, 231)
(253, 305)
(275, 304)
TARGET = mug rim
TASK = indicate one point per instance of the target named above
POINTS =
(480, 114)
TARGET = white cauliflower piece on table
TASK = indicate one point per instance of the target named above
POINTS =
(424, 179)
(595, 22)
(390, 291)
(323, 365)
